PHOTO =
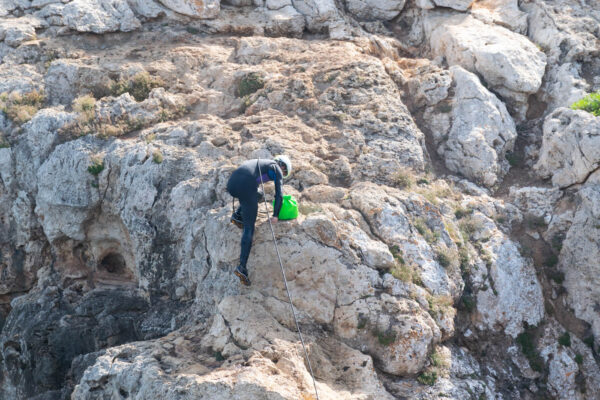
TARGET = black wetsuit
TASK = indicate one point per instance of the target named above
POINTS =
(243, 184)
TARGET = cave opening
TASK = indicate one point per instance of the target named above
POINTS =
(113, 263)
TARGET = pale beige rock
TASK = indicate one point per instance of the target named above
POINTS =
(502, 12)
(194, 8)
(508, 62)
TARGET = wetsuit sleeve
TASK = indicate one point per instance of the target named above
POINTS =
(278, 195)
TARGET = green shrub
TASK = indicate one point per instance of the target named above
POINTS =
(424, 230)
(469, 302)
(20, 108)
(139, 86)
(551, 260)
(157, 157)
(3, 142)
(446, 257)
(461, 212)
(218, 356)
(535, 222)
(96, 167)
(250, 84)
(406, 273)
(385, 338)
(590, 103)
(513, 159)
(428, 378)
(578, 358)
(529, 351)
(362, 322)
(557, 276)
(589, 341)
(565, 339)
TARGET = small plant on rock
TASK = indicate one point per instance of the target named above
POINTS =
(525, 341)
(139, 86)
(157, 157)
(404, 178)
(565, 339)
(385, 338)
(96, 166)
(20, 108)
(424, 230)
(428, 378)
(250, 84)
(590, 103)
(446, 257)
(3, 142)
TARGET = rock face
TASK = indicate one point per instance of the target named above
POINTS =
(375, 10)
(578, 258)
(569, 151)
(479, 133)
(509, 64)
(194, 8)
(99, 16)
(122, 120)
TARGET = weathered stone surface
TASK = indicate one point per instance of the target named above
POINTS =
(67, 79)
(460, 5)
(570, 148)
(579, 255)
(99, 16)
(480, 134)
(505, 13)
(509, 64)
(375, 10)
(194, 8)
(14, 31)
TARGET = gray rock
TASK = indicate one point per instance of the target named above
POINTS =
(192, 8)
(570, 150)
(480, 134)
(509, 63)
(375, 10)
(100, 16)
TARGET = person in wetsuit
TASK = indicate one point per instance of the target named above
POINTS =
(243, 184)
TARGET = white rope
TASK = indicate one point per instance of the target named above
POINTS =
(285, 282)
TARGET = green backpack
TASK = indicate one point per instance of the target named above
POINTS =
(289, 207)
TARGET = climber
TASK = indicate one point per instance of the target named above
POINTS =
(243, 184)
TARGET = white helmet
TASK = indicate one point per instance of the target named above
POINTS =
(285, 160)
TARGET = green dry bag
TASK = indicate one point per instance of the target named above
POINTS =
(289, 207)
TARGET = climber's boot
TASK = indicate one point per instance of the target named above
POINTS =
(236, 219)
(242, 273)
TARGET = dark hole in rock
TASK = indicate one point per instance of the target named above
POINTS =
(113, 263)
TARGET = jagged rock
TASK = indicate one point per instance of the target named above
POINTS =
(565, 29)
(193, 8)
(570, 150)
(579, 255)
(509, 291)
(563, 86)
(145, 8)
(14, 31)
(67, 79)
(479, 132)
(99, 16)
(46, 331)
(19, 78)
(509, 63)
(375, 10)
(397, 333)
(392, 216)
(536, 201)
(505, 13)
(460, 5)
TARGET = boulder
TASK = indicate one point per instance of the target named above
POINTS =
(194, 8)
(481, 131)
(375, 10)
(100, 16)
(570, 150)
(508, 63)
(505, 13)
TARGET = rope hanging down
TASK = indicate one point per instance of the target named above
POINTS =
(285, 283)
